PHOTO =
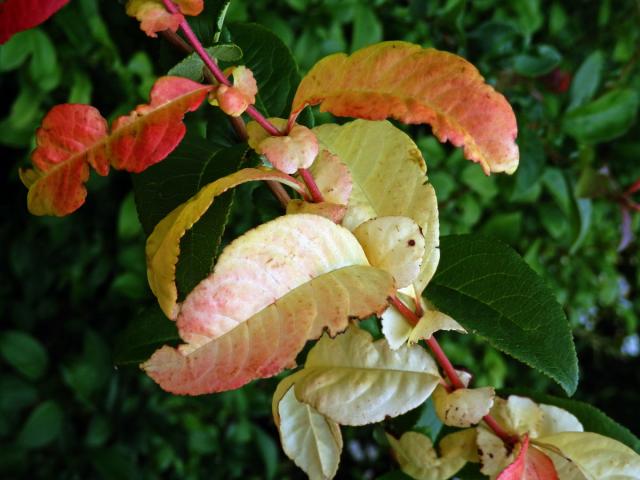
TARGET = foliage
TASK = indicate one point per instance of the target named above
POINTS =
(561, 147)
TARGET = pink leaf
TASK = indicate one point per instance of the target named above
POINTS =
(18, 15)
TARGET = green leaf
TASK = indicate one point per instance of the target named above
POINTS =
(606, 118)
(42, 426)
(24, 353)
(545, 59)
(532, 160)
(147, 332)
(492, 292)
(272, 65)
(192, 66)
(16, 50)
(592, 419)
(586, 80)
(367, 29)
(161, 188)
(16, 394)
(44, 69)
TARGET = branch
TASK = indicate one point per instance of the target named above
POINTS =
(448, 368)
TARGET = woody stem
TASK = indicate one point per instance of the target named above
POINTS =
(448, 368)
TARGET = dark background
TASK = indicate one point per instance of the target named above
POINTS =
(71, 285)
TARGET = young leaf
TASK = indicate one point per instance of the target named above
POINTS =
(19, 15)
(154, 17)
(418, 459)
(272, 289)
(596, 456)
(394, 244)
(463, 407)
(415, 85)
(311, 440)
(329, 210)
(288, 153)
(234, 100)
(433, 321)
(493, 293)
(388, 175)
(332, 177)
(388, 383)
(72, 137)
(163, 245)
(192, 66)
(530, 464)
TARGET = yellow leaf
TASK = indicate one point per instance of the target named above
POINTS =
(417, 458)
(394, 244)
(596, 456)
(389, 177)
(163, 245)
(311, 440)
(257, 134)
(433, 321)
(416, 85)
(463, 407)
(272, 289)
(355, 381)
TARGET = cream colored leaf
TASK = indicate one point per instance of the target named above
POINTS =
(557, 420)
(163, 245)
(460, 444)
(356, 381)
(332, 211)
(395, 327)
(332, 177)
(493, 453)
(394, 244)
(519, 415)
(389, 179)
(463, 407)
(417, 458)
(431, 322)
(272, 289)
(312, 441)
(598, 457)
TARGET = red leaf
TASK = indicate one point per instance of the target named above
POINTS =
(72, 137)
(18, 15)
(531, 464)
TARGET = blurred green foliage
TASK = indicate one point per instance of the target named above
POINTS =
(70, 286)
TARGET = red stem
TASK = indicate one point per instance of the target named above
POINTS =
(635, 186)
(217, 73)
(312, 186)
(448, 368)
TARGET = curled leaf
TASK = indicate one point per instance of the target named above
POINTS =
(596, 456)
(73, 136)
(433, 321)
(257, 134)
(356, 381)
(415, 85)
(388, 175)
(163, 245)
(333, 212)
(394, 244)
(530, 464)
(332, 177)
(272, 289)
(154, 17)
(234, 100)
(463, 407)
(311, 440)
(417, 458)
(291, 152)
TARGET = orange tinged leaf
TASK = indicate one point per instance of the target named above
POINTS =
(530, 464)
(290, 152)
(234, 100)
(73, 137)
(153, 16)
(415, 85)
(19, 15)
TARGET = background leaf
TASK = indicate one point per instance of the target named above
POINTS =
(492, 292)
(24, 353)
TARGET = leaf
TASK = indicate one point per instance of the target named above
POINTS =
(416, 85)
(288, 153)
(163, 245)
(416, 456)
(272, 65)
(192, 66)
(394, 244)
(592, 419)
(463, 407)
(332, 177)
(355, 381)
(388, 175)
(530, 464)
(235, 99)
(19, 15)
(490, 290)
(158, 190)
(606, 118)
(272, 289)
(597, 457)
(72, 137)
(433, 321)
(153, 16)
(146, 333)
(333, 212)
(24, 353)
(311, 440)
(586, 80)
(546, 58)
(42, 426)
